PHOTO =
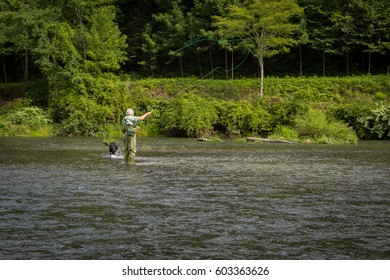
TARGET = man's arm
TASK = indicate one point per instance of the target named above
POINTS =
(144, 115)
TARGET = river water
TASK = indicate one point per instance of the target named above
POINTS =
(65, 198)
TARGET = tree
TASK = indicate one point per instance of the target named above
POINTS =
(3, 49)
(336, 29)
(182, 31)
(105, 44)
(168, 33)
(96, 46)
(319, 29)
(77, 55)
(135, 19)
(344, 33)
(23, 22)
(375, 27)
(200, 26)
(302, 40)
(263, 26)
(150, 47)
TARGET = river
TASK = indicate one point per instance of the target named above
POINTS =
(65, 198)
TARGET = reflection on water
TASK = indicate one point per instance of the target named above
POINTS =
(65, 198)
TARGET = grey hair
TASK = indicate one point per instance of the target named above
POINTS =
(129, 112)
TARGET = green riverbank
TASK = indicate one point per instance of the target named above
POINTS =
(304, 109)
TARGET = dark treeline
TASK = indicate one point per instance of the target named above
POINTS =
(175, 38)
(334, 37)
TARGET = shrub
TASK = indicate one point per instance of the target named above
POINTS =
(188, 115)
(25, 121)
(89, 106)
(242, 118)
(284, 110)
(314, 126)
(378, 122)
(285, 133)
(369, 120)
(30, 116)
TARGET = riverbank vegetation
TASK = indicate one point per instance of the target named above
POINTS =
(310, 109)
(72, 68)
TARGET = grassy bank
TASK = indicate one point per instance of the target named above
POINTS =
(310, 110)
(320, 110)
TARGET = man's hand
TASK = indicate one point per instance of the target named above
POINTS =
(145, 115)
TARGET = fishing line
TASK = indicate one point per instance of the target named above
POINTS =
(206, 39)
(212, 71)
(215, 69)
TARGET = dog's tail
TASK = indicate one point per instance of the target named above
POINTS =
(105, 143)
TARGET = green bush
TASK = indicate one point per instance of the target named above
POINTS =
(285, 133)
(378, 122)
(188, 115)
(370, 120)
(14, 105)
(241, 118)
(25, 121)
(314, 126)
(89, 106)
(284, 110)
(354, 114)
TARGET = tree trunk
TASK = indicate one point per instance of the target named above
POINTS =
(181, 66)
(232, 64)
(347, 63)
(300, 60)
(261, 64)
(226, 65)
(200, 65)
(25, 70)
(369, 63)
(5, 71)
(323, 64)
(80, 16)
(211, 63)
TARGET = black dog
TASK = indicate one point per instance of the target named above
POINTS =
(112, 148)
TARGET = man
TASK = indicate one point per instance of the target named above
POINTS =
(130, 133)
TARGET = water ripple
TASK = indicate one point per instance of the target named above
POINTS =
(67, 199)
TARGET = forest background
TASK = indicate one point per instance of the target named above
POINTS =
(306, 71)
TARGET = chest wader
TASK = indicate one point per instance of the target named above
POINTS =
(129, 143)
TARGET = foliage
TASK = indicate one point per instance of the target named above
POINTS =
(105, 43)
(314, 126)
(31, 116)
(242, 118)
(188, 114)
(263, 26)
(73, 50)
(20, 119)
(91, 43)
(22, 24)
(283, 132)
(78, 57)
(378, 122)
(87, 108)
(344, 37)
(353, 114)
(241, 113)
(284, 109)
(298, 109)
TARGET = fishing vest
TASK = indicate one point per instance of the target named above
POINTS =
(129, 125)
